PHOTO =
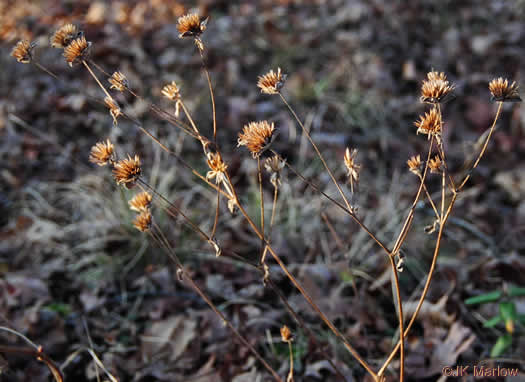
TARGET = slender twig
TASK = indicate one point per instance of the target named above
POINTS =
(205, 67)
(400, 315)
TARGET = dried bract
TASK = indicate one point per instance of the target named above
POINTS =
(271, 82)
(127, 171)
(257, 137)
(352, 167)
(143, 221)
(118, 81)
(435, 165)
(274, 166)
(430, 123)
(436, 88)
(141, 202)
(23, 51)
(217, 168)
(77, 50)
(286, 334)
(114, 109)
(65, 35)
(191, 25)
(171, 91)
(503, 91)
(102, 153)
(414, 165)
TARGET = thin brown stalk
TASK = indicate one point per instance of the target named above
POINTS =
(429, 197)
(97, 80)
(400, 317)
(261, 195)
(214, 113)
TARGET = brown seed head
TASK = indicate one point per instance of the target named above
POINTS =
(435, 88)
(77, 50)
(64, 36)
(171, 91)
(257, 137)
(217, 168)
(191, 25)
(286, 334)
(23, 51)
(430, 123)
(141, 202)
(143, 221)
(114, 109)
(435, 165)
(127, 171)
(274, 166)
(118, 81)
(102, 153)
(352, 167)
(503, 92)
(414, 165)
(271, 82)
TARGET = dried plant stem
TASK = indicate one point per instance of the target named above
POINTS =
(482, 152)
(44, 69)
(429, 197)
(214, 113)
(289, 378)
(261, 195)
(161, 239)
(97, 80)
(400, 315)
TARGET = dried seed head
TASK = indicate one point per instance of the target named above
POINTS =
(430, 123)
(65, 35)
(274, 166)
(217, 168)
(127, 171)
(171, 91)
(23, 51)
(503, 92)
(436, 88)
(191, 25)
(352, 167)
(102, 153)
(141, 202)
(271, 82)
(114, 109)
(77, 50)
(414, 165)
(118, 81)
(257, 137)
(435, 165)
(143, 221)
(286, 334)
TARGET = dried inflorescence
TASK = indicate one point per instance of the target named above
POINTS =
(143, 221)
(502, 91)
(114, 109)
(430, 123)
(102, 153)
(23, 51)
(141, 202)
(118, 81)
(414, 165)
(271, 82)
(286, 334)
(191, 25)
(436, 88)
(171, 91)
(217, 168)
(274, 166)
(77, 50)
(352, 167)
(435, 165)
(127, 171)
(257, 137)
(65, 35)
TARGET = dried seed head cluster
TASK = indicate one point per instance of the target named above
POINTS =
(102, 153)
(23, 51)
(435, 88)
(191, 25)
(435, 164)
(286, 334)
(171, 91)
(143, 221)
(352, 167)
(114, 109)
(217, 168)
(127, 171)
(503, 91)
(274, 166)
(118, 81)
(430, 123)
(65, 35)
(77, 50)
(257, 137)
(141, 202)
(271, 82)
(414, 165)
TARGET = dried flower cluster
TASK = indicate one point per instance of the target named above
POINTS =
(77, 50)
(286, 334)
(118, 81)
(436, 88)
(191, 25)
(271, 82)
(502, 91)
(352, 167)
(141, 202)
(114, 109)
(171, 91)
(102, 153)
(23, 51)
(65, 35)
(274, 166)
(217, 168)
(257, 137)
(414, 165)
(430, 123)
(143, 221)
(127, 171)
(435, 165)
